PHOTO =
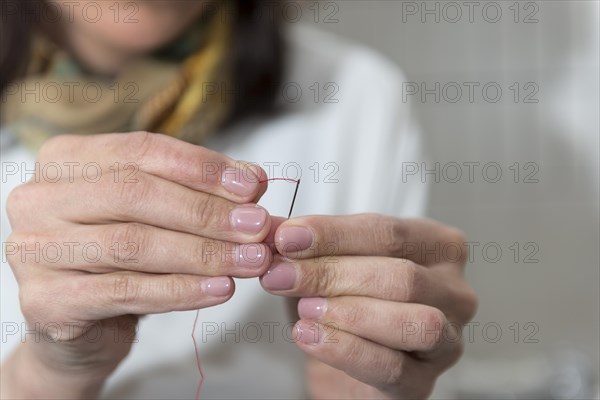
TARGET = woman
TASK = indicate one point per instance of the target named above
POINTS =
(169, 223)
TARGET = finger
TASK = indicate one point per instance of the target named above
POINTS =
(423, 241)
(393, 279)
(390, 371)
(378, 277)
(143, 248)
(246, 168)
(151, 201)
(95, 297)
(123, 155)
(270, 239)
(400, 326)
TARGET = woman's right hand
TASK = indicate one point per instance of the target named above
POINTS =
(134, 224)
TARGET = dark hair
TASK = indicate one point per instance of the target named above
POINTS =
(256, 60)
(14, 40)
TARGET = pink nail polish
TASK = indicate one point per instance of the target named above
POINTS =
(250, 255)
(312, 307)
(248, 219)
(238, 181)
(295, 238)
(280, 277)
(217, 287)
(307, 332)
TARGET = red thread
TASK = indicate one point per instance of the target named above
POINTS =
(197, 356)
(279, 179)
(297, 181)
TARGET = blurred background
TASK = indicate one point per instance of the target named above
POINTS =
(533, 116)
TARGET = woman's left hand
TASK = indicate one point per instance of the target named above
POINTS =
(383, 299)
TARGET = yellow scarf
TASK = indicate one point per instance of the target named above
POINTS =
(149, 94)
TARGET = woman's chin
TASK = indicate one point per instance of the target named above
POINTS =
(136, 26)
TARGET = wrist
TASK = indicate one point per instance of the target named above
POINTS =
(25, 376)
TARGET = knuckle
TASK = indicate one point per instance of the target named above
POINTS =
(319, 279)
(392, 234)
(21, 248)
(202, 210)
(206, 253)
(393, 372)
(354, 355)
(137, 146)
(126, 290)
(387, 286)
(123, 236)
(131, 196)
(329, 235)
(178, 290)
(433, 318)
(433, 322)
(347, 316)
(458, 239)
(409, 277)
(17, 200)
(403, 283)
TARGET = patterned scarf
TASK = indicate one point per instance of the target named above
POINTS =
(154, 93)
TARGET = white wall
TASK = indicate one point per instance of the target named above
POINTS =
(559, 134)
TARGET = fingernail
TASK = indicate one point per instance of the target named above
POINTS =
(295, 238)
(217, 287)
(280, 277)
(250, 255)
(307, 332)
(248, 219)
(312, 308)
(239, 181)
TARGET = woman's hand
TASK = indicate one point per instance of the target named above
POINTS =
(120, 225)
(383, 300)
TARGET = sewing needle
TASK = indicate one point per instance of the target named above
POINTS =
(294, 199)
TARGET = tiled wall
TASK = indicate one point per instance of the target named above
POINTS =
(557, 218)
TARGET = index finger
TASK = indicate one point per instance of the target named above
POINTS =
(123, 154)
(422, 241)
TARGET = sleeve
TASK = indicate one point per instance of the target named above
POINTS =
(16, 161)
